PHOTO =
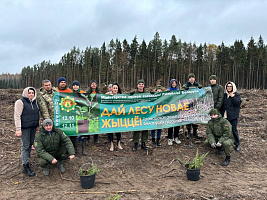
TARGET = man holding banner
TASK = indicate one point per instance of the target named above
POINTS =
(140, 89)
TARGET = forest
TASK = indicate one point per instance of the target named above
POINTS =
(156, 61)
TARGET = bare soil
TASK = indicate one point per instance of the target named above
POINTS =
(152, 174)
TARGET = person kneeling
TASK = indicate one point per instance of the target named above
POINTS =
(51, 145)
(219, 135)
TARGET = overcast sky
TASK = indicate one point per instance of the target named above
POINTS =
(35, 30)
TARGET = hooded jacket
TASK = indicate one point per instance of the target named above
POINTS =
(171, 81)
(26, 112)
(218, 130)
(231, 105)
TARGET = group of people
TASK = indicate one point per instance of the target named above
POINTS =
(54, 147)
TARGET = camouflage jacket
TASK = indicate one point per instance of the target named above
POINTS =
(219, 130)
(217, 91)
(45, 103)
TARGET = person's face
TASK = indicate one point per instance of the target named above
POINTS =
(31, 94)
(214, 116)
(229, 87)
(75, 87)
(212, 81)
(115, 89)
(93, 85)
(48, 127)
(110, 89)
(140, 86)
(47, 86)
(62, 84)
(174, 84)
(192, 80)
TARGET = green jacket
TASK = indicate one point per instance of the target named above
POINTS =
(217, 91)
(45, 103)
(46, 144)
(219, 130)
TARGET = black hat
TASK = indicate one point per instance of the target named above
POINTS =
(76, 83)
(61, 79)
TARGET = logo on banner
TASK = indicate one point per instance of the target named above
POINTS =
(67, 104)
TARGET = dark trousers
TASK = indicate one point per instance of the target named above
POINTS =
(110, 137)
(234, 130)
(27, 140)
(176, 132)
(74, 141)
(158, 133)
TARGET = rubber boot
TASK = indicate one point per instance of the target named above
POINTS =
(219, 151)
(61, 166)
(46, 171)
(154, 144)
(26, 170)
(195, 134)
(84, 153)
(135, 147)
(226, 161)
(158, 143)
(143, 146)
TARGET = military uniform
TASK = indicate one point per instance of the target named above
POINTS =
(49, 146)
(45, 103)
(220, 130)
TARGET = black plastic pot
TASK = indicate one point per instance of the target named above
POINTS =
(192, 174)
(87, 181)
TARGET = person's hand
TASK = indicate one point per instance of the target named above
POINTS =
(218, 144)
(213, 145)
(199, 87)
(18, 133)
(54, 161)
(152, 92)
(131, 93)
(186, 88)
(71, 157)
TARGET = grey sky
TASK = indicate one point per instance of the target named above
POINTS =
(37, 30)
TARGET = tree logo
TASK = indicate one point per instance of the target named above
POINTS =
(67, 104)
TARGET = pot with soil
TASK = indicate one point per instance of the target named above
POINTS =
(83, 126)
(87, 173)
(193, 166)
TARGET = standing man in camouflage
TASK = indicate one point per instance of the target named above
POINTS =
(140, 89)
(219, 135)
(45, 100)
(217, 91)
(191, 83)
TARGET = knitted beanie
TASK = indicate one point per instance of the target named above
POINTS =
(76, 83)
(61, 79)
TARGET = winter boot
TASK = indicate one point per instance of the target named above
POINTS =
(195, 134)
(26, 170)
(226, 161)
(143, 146)
(154, 144)
(219, 151)
(158, 143)
(84, 153)
(135, 147)
(61, 166)
(46, 171)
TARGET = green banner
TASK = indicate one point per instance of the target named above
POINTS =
(83, 114)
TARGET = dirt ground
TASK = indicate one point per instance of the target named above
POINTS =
(152, 174)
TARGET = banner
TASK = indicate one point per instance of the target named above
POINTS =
(83, 114)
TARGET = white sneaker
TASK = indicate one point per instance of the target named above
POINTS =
(170, 142)
(177, 140)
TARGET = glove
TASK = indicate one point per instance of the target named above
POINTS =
(199, 87)
(218, 144)
(131, 93)
(213, 145)
(152, 92)
(186, 88)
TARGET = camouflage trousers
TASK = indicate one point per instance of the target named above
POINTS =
(226, 145)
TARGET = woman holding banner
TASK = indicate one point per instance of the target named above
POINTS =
(115, 90)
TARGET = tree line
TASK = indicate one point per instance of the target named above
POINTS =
(156, 62)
